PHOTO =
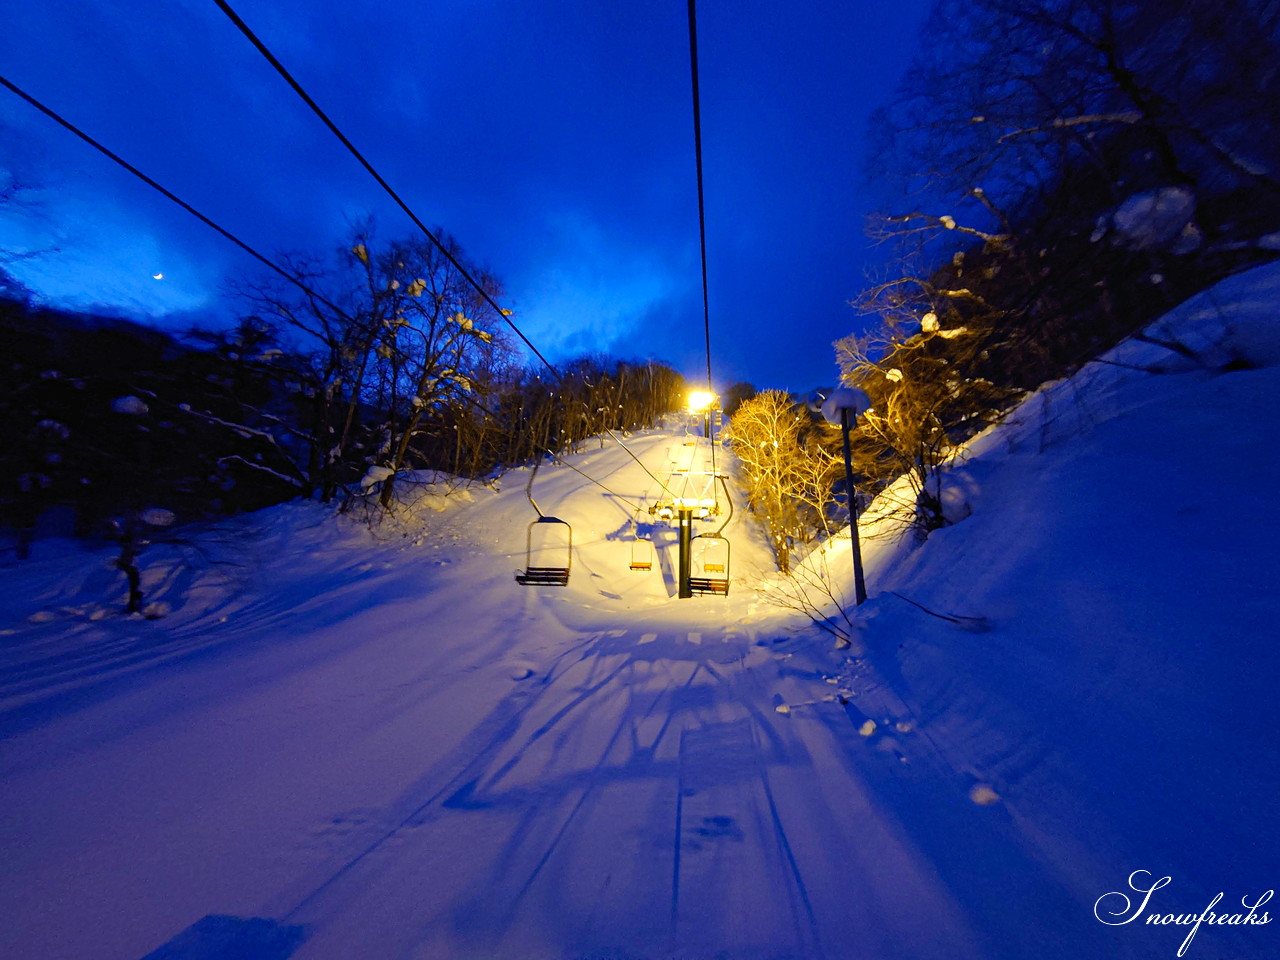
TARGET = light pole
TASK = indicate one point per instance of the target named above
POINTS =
(703, 402)
(842, 407)
(700, 401)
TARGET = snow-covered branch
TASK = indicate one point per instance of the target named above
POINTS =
(1063, 123)
(263, 468)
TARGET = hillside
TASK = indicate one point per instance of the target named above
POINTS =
(331, 743)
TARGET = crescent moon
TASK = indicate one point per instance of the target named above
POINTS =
(157, 276)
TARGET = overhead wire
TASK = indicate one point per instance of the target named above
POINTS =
(297, 87)
(68, 125)
(702, 212)
(270, 264)
(169, 194)
(333, 127)
(697, 151)
(613, 493)
(164, 191)
(101, 148)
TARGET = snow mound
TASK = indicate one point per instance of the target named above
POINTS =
(1123, 550)
(1156, 219)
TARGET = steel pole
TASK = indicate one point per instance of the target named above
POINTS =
(686, 552)
(859, 581)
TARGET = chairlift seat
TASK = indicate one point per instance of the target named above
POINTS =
(709, 585)
(544, 577)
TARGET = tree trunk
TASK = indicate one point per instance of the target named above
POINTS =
(397, 461)
(127, 563)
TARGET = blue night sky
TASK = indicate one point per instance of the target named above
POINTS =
(554, 140)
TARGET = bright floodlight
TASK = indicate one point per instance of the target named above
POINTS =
(700, 400)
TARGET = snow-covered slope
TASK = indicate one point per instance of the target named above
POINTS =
(336, 744)
(1122, 703)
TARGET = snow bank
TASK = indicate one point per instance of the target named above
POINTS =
(1157, 218)
(1122, 708)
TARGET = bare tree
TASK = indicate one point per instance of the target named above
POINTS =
(928, 396)
(435, 346)
(812, 589)
(399, 345)
(1082, 164)
(1013, 90)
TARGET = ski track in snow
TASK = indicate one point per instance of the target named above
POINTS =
(659, 749)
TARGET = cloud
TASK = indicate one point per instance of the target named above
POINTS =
(101, 256)
(587, 290)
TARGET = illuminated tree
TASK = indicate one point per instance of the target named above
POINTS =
(788, 464)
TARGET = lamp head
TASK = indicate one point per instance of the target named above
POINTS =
(701, 401)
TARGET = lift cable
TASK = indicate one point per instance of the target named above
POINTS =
(246, 247)
(168, 194)
(697, 149)
(702, 213)
(297, 87)
(176, 199)
(107, 152)
(333, 127)
(613, 493)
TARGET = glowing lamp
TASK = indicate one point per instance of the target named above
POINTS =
(701, 400)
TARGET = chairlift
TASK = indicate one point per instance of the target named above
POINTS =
(641, 554)
(709, 556)
(548, 546)
(641, 546)
(681, 457)
(709, 564)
